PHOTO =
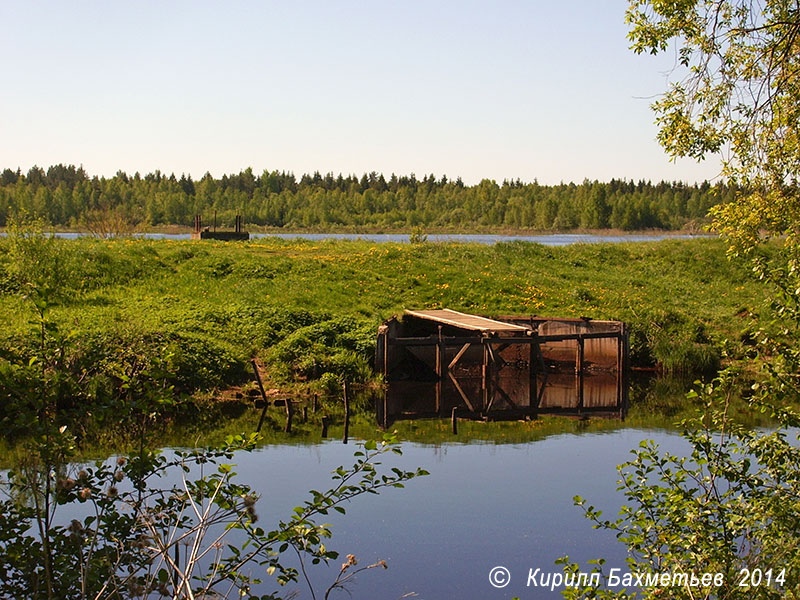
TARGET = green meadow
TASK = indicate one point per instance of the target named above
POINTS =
(309, 310)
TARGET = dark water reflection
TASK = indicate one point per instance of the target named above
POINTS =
(600, 394)
(486, 503)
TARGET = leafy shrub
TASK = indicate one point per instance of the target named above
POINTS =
(342, 346)
(117, 530)
(673, 342)
(729, 507)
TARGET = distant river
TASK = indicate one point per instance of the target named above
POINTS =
(552, 239)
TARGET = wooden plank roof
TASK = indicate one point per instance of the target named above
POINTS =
(454, 318)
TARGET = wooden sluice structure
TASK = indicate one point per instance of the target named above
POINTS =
(437, 361)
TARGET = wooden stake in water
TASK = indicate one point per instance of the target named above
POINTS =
(289, 413)
(263, 395)
(346, 412)
(325, 426)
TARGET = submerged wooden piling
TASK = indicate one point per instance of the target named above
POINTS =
(441, 368)
(263, 395)
(289, 414)
(325, 426)
(346, 412)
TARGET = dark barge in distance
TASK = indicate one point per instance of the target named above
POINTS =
(509, 367)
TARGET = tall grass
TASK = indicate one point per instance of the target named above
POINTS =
(310, 308)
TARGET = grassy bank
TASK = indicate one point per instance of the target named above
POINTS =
(309, 310)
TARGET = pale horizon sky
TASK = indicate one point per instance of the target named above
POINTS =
(501, 90)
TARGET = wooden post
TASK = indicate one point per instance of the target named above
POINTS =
(441, 367)
(379, 408)
(485, 375)
(440, 370)
(622, 368)
(454, 421)
(533, 387)
(385, 340)
(579, 372)
(263, 394)
(289, 413)
(346, 412)
(305, 413)
(385, 409)
(314, 405)
(325, 426)
(541, 387)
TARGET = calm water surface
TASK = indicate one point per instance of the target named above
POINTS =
(483, 505)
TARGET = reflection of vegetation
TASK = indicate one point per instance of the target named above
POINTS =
(655, 403)
(131, 535)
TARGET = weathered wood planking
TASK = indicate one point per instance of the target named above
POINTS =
(445, 316)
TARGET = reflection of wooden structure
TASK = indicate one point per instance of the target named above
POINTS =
(437, 360)
(206, 233)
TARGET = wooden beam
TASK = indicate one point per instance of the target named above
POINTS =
(459, 355)
(490, 403)
(506, 397)
(434, 339)
(561, 337)
(461, 392)
(491, 352)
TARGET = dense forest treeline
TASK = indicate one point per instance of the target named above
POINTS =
(67, 196)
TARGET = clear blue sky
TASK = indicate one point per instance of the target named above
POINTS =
(501, 89)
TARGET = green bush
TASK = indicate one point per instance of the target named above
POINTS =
(674, 343)
(342, 346)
